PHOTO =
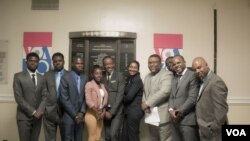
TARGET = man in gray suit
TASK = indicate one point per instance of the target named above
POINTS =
(157, 86)
(52, 116)
(115, 83)
(30, 95)
(211, 107)
(72, 101)
(182, 102)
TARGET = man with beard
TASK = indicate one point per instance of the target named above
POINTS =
(30, 95)
(52, 116)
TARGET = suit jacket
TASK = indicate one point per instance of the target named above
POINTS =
(92, 95)
(52, 109)
(212, 107)
(116, 90)
(157, 93)
(71, 101)
(28, 96)
(133, 96)
(184, 95)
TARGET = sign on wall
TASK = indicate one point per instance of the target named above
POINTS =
(41, 43)
(167, 45)
(4, 62)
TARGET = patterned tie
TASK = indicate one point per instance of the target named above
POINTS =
(78, 83)
(33, 79)
(58, 78)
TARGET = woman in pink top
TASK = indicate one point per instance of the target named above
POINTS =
(96, 98)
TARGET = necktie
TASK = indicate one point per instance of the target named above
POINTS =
(178, 78)
(33, 79)
(58, 78)
(108, 78)
(78, 83)
(201, 87)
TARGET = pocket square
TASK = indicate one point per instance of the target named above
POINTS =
(113, 81)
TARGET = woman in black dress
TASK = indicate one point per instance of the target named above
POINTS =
(132, 103)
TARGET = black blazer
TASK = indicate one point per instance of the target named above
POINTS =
(133, 95)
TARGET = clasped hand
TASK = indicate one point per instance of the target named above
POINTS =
(38, 115)
(176, 115)
(99, 113)
(79, 118)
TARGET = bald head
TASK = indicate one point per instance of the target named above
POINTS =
(200, 67)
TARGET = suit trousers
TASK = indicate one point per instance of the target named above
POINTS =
(94, 126)
(217, 137)
(29, 130)
(113, 128)
(50, 129)
(72, 131)
(185, 133)
(161, 132)
(131, 128)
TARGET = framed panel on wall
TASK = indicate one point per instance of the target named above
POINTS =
(92, 46)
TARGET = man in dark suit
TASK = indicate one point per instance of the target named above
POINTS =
(211, 107)
(184, 92)
(52, 116)
(115, 83)
(30, 95)
(72, 101)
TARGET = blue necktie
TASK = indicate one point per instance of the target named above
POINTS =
(58, 78)
(78, 83)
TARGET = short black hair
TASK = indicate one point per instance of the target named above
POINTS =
(32, 54)
(106, 57)
(169, 57)
(57, 54)
(95, 67)
(77, 57)
(137, 63)
(155, 55)
(180, 57)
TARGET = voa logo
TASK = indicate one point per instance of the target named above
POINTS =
(236, 132)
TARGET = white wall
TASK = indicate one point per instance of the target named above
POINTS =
(193, 19)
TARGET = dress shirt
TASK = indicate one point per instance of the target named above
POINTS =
(58, 76)
(35, 75)
(78, 81)
(183, 72)
(202, 84)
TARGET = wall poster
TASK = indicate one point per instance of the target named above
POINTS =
(41, 43)
(167, 45)
(3, 62)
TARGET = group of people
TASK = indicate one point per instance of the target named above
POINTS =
(191, 102)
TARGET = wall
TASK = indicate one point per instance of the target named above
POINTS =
(193, 19)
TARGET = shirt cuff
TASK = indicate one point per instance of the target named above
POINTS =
(170, 109)
(147, 104)
(33, 112)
